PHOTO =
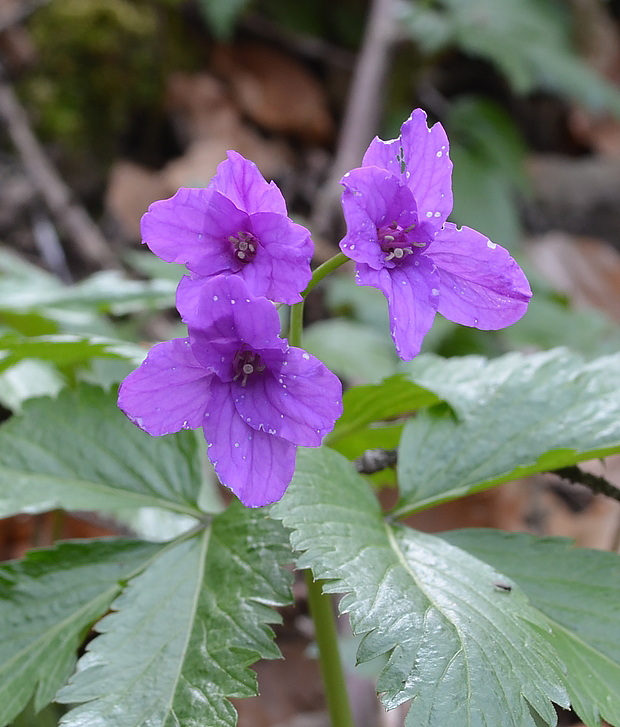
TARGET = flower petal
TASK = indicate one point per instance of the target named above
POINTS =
(223, 318)
(188, 295)
(373, 198)
(384, 154)
(174, 228)
(222, 219)
(481, 284)
(238, 179)
(428, 167)
(255, 465)
(169, 391)
(281, 268)
(300, 402)
(412, 292)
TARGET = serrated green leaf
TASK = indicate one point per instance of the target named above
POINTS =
(578, 590)
(528, 40)
(518, 414)
(352, 350)
(181, 636)
(466, 652)
(80, 452)
(26, 380)
(107, 290)
(393, 397)
(65, 350)
(47, 603)
(30, 324)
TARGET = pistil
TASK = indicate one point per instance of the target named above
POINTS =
(245, 363)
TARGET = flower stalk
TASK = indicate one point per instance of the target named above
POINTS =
(321, 608)
(332, 672)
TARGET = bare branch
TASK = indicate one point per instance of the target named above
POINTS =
(362, 114)
(597, 484)
(71, 217)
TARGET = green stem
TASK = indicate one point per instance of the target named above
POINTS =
(329, 657)
(297, 310)
(325, 269)
(321, 603)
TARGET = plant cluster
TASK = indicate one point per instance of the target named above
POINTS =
(474, 627)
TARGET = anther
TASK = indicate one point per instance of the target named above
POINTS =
(243, 246)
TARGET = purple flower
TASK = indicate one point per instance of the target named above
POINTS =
(396, 205)
(236, 226)
(255, 396)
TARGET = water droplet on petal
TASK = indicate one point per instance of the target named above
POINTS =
(215, 297)
(306, 356)
(429, 214)
(236, 444)
(492, 245)
(434, 291)
(437, 214)
(439, 153)
(232, 301)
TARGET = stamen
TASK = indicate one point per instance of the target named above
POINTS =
(396, 241)
(244, 246)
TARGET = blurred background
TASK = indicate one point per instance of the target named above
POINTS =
(109, 105)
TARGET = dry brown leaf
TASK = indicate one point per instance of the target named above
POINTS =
(131, 189)
(209, 124)
(598, 38)
(200, 107)
(275, 90)
(197, 166)
(586, 269)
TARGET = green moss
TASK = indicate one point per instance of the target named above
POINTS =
(100, 63)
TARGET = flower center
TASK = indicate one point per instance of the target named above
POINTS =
(244, 246)
(245, 363)
(396, 241)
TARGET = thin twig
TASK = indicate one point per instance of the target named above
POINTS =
(363, 107)
(72, 218)
(596, 483)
